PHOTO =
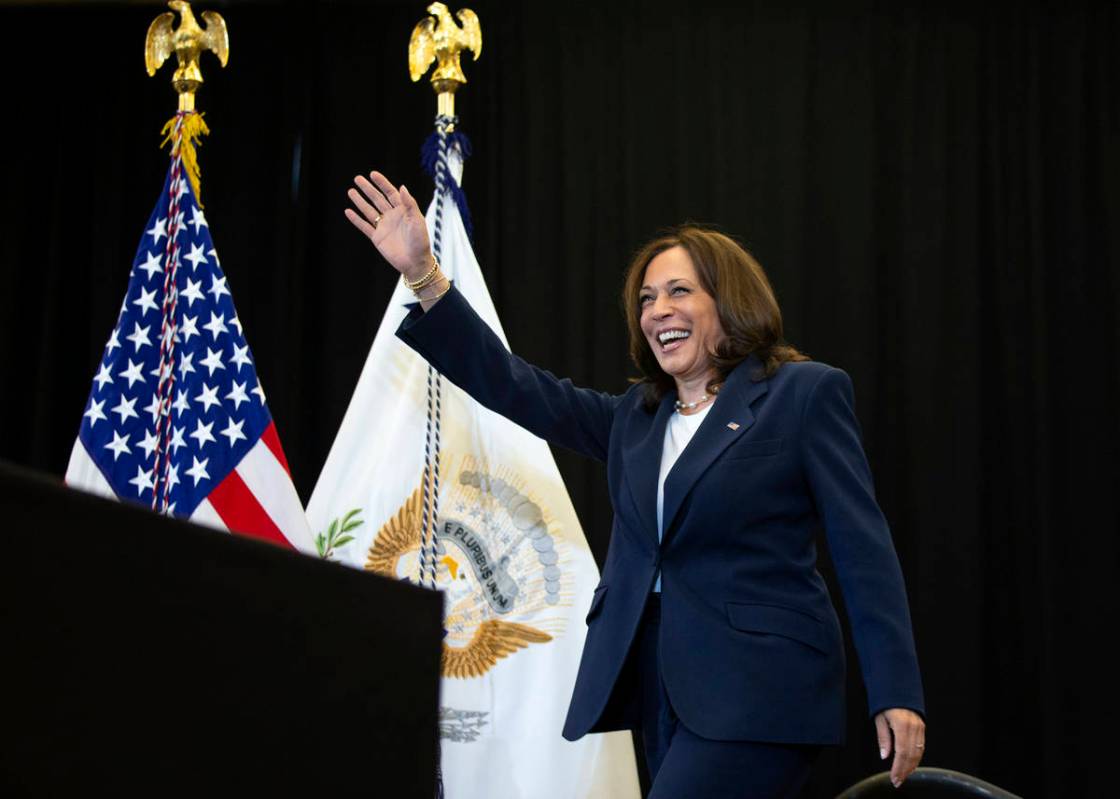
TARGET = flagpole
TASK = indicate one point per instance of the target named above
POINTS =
(438, 39)
(183, 131)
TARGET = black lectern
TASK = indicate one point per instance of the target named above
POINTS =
(144, 655)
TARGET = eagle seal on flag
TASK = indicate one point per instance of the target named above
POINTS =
(497, 563)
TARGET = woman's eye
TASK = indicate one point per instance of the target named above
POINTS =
(642, 300)
(680, 289)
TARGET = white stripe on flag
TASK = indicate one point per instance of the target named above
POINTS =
(270, 484)
(205, 515)
(82, 473)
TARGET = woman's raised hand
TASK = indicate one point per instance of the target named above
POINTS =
(391, 219)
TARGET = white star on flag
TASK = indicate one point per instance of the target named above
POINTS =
(212, 361)
(216, 325)
(152, 265)
(195, 256)
(233, 431)
(172, 480)
(114, 342)
(208, 397)
(132, 373)
(192, 292)
(202, 434)
(142, 480)
(197, 219)
(149, 444)
(241, 357)
(189, 328)
(118, 445)
(218, 288)
(237, 395)
(198, 470)
(177, 439)
(94, 413)
(139, 337)
(153, 408)
(146, 301)
(186, 365)
(158, 231)
(125, 408)
(102, 377)
(180, 406)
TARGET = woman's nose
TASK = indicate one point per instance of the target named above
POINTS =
(661, 306)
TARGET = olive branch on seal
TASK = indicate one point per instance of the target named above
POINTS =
(336, 534)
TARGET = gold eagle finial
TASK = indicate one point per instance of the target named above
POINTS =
(438, 37)
(187, 42)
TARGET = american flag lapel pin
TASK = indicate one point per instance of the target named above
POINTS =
(733, 425)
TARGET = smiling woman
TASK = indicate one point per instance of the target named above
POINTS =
(711, 631)
(712, 275)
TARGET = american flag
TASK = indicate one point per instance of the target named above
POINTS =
(176, 418)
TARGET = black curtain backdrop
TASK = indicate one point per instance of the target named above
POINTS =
(933, 188)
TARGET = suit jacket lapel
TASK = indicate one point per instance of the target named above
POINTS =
(730, 417)
(643, 465)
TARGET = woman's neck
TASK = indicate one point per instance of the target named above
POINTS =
(694, 389)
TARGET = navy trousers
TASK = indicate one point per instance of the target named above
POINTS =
(683, 765)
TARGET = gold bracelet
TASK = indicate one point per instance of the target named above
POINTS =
(432, 282)
(435, 296)
(428, 280)
(413, 285)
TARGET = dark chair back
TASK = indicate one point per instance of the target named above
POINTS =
(926, 783)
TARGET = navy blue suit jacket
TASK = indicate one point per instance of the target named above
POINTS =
(751, 648)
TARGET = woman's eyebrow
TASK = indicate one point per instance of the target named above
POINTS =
(668, 282)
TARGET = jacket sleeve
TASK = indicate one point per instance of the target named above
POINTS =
(462, 347)
(860, 543)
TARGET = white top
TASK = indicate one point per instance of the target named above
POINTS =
(678, 433)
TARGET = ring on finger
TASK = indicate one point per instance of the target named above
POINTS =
(376, 221)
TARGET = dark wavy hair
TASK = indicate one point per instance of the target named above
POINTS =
(748, 311)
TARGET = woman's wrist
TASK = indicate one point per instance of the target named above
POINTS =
(435, 289)
(421, 273)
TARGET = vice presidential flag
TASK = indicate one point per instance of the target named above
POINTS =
(416, 459)
(176, 418)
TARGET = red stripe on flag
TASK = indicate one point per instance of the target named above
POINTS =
(241, 512)
(271, 440)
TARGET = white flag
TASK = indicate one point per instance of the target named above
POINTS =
(511, 558)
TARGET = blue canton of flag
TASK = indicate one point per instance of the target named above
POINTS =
(196, 441)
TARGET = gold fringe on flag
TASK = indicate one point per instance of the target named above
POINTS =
(183, 145)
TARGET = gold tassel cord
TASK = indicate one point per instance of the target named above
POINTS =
(192, 131)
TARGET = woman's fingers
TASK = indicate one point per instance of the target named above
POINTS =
(392, 221)
(373, 197)
(883, 731)
(905, 761)
(386, 188)
(368, 211)
(360, 223)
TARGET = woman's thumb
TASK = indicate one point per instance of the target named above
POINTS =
(408, 198)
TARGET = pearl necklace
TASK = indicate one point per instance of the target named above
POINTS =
(689, 406)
